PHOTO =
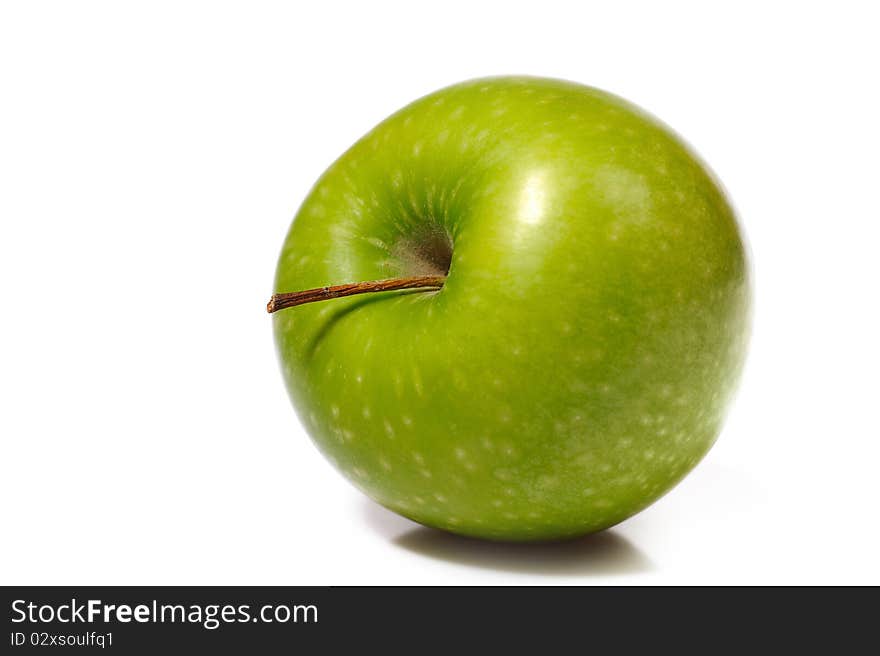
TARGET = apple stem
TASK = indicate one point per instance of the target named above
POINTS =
(292, 299)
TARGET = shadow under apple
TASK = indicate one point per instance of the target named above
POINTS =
(601, 554)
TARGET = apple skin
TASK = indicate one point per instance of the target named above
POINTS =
(578, 361)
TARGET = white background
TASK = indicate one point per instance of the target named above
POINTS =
(151, 158)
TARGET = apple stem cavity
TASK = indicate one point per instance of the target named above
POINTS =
(292, 299)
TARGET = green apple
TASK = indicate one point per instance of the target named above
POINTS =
(592, 327)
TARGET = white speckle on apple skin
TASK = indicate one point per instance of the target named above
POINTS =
(417, 384)
(503, 474)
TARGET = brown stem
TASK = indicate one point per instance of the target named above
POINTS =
(292, 299)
